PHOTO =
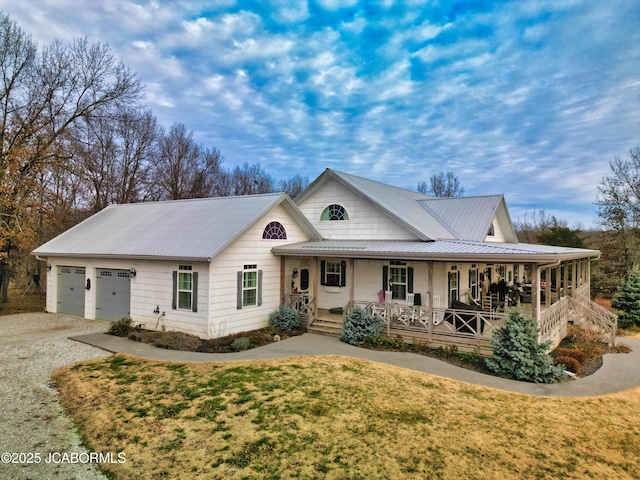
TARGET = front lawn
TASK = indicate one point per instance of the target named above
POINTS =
(333, 417)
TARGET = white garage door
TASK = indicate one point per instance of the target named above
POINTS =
(113, 294)
(71, 290)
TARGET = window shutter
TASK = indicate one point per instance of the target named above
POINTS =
(385, 277)
(174, 299)
(194, 293)
(410, 279)
(259, 287)
(239, 306)
(322, 275)
(343, 274)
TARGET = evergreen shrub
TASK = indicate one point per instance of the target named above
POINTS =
(121, 328)
(285, 319)
(627, 299)
(240, 344)
(360, 325)
(518, 355)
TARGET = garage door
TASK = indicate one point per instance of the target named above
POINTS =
(71, 290)
(113, 294)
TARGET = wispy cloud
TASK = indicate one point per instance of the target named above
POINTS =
(531, 98)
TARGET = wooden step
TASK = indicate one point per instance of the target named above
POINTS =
(327, 327)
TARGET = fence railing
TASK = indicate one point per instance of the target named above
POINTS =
(553, 319)
(304, 304)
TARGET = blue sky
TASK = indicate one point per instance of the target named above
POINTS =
(531, 99)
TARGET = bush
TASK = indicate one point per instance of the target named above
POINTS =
(518, 355)
(588, 339)
(121, 328)
(627, 299)
(360, 325)
(396, 343)
(285, 318)
(568, 363)
(573, 353)
(240, 344)
(178, 341)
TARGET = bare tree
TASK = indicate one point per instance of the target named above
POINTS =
(293, 186)
(536, 223)
(42, 95)
(186, 169)
(442, 184)
(251, 179)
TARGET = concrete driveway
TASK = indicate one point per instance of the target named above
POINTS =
(32, 346)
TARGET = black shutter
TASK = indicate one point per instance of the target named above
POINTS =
(385, 277)
(239, 306)
(343, 274)
(410, 280)
(322, 275)
(194, 293)
(259, 287)
(174, 303)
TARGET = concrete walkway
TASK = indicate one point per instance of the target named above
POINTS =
(618, 372)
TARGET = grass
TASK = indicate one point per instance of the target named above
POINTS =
(339, 418)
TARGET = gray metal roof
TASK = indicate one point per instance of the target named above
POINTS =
(443, 250)
(182, 229)
(430, 218)
(469, 217)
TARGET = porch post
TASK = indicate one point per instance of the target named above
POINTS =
(558, 281)
(547, 290)
(353, 279)
(535, 292)
(574, 276)
(282, 266)
(589, 275)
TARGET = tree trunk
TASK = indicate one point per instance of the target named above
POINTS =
(4, 283)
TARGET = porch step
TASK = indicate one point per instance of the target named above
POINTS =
(324, 326)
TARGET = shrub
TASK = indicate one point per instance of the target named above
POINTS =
(627, 299)
(518, 355)
(121, 328)
(285, 318)
(178, 341)
(621, 348)
(471, 358)
(396, 343)
(360, 325)
(573, 353)
(568, 363)
(240, 344)
(588, 339)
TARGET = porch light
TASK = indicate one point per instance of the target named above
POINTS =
(295, 273)
(49, 266)
(132, 272)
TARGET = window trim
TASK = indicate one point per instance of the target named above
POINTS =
(344, 213)
(274, 231)
(392, 283)
(337, 273)
(188, 271)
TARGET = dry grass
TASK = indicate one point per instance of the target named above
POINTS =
(32, 301)
(339, 418)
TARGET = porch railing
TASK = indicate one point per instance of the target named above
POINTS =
(440, 325)
(597, 315)
(304, 304)
(553, 319)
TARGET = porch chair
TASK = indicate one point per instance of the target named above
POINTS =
(438, 316)
(408, 316)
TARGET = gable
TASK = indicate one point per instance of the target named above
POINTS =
(366, 220)
(503, 230)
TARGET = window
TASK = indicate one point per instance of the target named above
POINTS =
(473, 283)
(454, 280)
(398, 281)
(333, 273)
(274, 231)
(492, 231)
(250, 285)
(334, 212)
(185, 287)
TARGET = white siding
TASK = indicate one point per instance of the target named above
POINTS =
(152, 286)
(366, 221)
(250, 248)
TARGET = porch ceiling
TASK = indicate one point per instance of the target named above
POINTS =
(440, 250)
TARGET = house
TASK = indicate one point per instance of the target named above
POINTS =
(201, 266)
(441, 270)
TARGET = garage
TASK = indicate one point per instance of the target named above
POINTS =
(71, 290)
(113, 294)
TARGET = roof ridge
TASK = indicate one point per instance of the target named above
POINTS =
(384, 184)
(198, 199)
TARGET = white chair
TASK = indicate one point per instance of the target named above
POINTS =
(410, 299)
(437, 316)
(388, 296)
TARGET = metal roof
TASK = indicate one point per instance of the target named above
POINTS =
(469, 217)
(443, 250)
(429, 217)
(182, 229)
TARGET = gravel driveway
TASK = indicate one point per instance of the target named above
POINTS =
(32, 346)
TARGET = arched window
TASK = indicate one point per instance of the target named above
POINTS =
(274, 231)
(334, 212)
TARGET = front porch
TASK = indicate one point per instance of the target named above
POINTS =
(466, 329)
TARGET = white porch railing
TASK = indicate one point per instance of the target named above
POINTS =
(596, 314)
(469, 328)
(554, 319)
(304, 304)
